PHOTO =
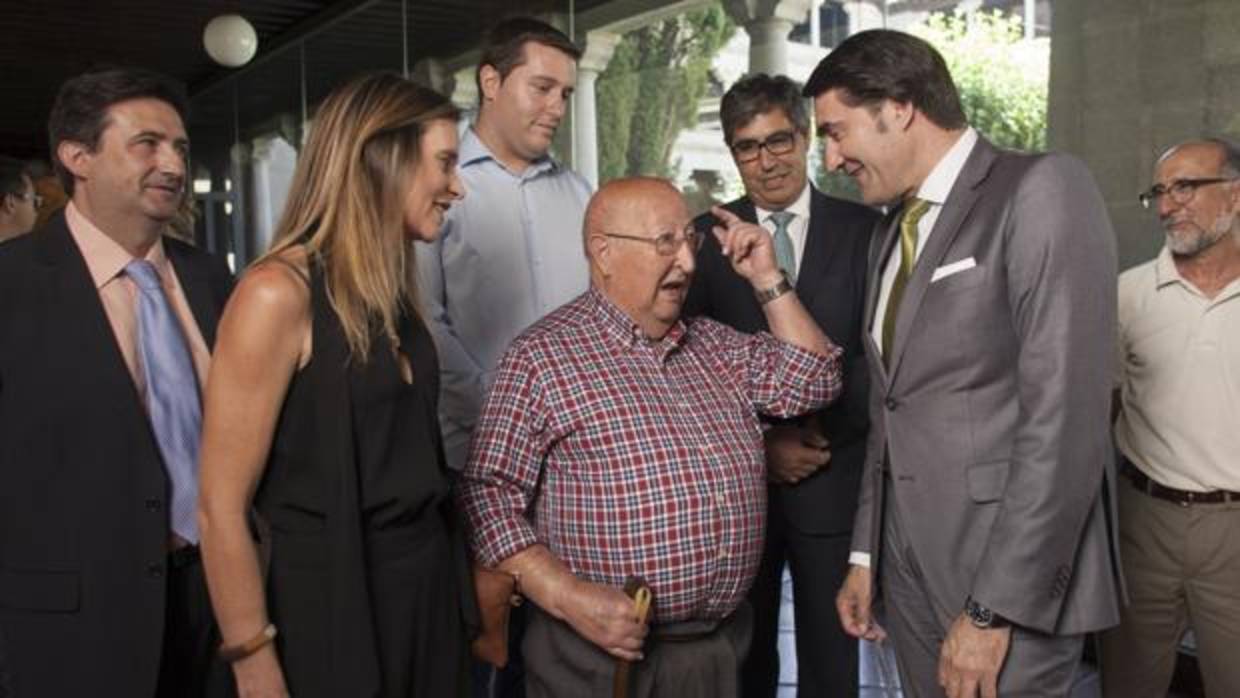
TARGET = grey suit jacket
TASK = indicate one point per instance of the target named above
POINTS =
(993, 415)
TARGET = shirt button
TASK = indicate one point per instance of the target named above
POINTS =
(155, 570)
(892, 404)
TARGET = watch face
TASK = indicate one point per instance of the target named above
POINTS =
(979, 614)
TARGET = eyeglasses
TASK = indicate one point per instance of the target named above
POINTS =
(778, 143)
(38, 200)
(668, 244)
(1181, 191)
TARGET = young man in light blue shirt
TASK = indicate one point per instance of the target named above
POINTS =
(510, 252)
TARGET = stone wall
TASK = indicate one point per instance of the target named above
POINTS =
(1130, 78)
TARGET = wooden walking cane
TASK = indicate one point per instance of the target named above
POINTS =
(636, 589)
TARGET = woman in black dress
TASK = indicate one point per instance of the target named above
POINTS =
(320, 414)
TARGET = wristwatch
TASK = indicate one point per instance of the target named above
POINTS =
(982, 617)
(767, 295)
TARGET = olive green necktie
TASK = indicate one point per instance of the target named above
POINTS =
(913, 211)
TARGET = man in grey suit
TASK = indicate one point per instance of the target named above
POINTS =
(984, 519)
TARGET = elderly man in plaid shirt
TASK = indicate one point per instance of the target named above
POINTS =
(620, 441)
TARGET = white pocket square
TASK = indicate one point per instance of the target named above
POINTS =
(954, 268)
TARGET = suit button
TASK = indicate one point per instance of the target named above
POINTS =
(892, 404)
(154, 505)
(155, 570)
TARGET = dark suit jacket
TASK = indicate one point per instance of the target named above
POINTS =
(831, 285)
(83, 493)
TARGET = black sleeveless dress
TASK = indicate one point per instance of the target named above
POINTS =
(367, 580)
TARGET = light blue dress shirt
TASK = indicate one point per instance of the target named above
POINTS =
(509, 253)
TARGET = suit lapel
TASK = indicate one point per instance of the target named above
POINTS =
(85, 325)
(745, 209)
(960, 201)
(874, 283)
(194, 282)
(820, 245)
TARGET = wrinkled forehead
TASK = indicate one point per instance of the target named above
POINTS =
(1190, 160)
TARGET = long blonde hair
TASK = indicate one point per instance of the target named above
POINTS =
(346, 202)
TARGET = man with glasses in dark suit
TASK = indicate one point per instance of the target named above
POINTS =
(814, 462)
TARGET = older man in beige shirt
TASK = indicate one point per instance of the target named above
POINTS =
(1179, 431)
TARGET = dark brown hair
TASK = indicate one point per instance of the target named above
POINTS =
(758, 94)
(880, 64)
(80, 113)
(505, 47)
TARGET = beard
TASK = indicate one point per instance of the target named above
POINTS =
(1193, 241)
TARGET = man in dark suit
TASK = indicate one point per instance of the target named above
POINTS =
(814, 463)
(985, 514)
(105, 329)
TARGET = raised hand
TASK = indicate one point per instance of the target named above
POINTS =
(748, 247)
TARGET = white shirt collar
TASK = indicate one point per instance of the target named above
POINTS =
(943, 177)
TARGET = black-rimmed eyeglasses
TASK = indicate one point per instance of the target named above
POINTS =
(778, 143)
(1181, 191)
(667, 244)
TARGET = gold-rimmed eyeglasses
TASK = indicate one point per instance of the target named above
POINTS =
(1181, 191)
(667, 244)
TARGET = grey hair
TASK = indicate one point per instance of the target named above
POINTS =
(758, 94)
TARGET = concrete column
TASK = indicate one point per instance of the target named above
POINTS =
(1129, 80)
(599, 48)
(768, 23)
(862, 16)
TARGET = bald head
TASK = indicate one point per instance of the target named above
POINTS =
(622, 203)
(1208, 152)
(646, 279)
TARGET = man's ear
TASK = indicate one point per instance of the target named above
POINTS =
(599, 253)
(76, 158)
(901, 113)
(489, 78)
(8, 203)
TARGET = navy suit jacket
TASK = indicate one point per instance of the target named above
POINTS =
(831, 284)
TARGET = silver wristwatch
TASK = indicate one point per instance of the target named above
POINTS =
(767, 295)
(982, 617)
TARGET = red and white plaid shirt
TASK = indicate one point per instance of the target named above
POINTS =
(639, 457)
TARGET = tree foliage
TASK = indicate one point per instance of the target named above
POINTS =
(651, 89)
(1002, 77)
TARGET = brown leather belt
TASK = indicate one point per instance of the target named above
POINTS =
(1182, 497)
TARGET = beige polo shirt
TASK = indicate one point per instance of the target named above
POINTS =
(1179, 373)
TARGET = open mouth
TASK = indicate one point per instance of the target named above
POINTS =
(674, 286)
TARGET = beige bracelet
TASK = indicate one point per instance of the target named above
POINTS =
(245, 649)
